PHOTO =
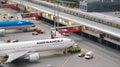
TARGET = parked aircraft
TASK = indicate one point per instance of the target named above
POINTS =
(15, 24)
(29, 49)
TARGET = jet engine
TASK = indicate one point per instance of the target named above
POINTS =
(34, 57)
(2, 32)
(30, 29)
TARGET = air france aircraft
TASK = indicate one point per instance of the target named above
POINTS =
(29, 49)
(15, 24)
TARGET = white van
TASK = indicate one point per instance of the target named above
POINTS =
(89, 55)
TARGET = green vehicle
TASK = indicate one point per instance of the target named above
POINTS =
(72, 50)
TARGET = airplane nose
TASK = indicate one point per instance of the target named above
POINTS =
(72, 41)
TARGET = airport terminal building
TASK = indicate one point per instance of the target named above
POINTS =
(92, 28)
(101, 5)
(97, 5)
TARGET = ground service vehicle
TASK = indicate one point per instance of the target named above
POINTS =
(89, 55)
(34, 33)
(81, 54)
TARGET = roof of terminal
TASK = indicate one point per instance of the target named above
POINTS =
(91, 0)
(107, 29)
(81, 0)
(106, 17)
(112, 13)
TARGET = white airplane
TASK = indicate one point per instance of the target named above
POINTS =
(29, 49)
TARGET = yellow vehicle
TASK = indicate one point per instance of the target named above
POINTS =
(72, 50)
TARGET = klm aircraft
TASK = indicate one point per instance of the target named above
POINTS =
(15, 24)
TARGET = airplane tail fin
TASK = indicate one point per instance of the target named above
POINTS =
(56, 34)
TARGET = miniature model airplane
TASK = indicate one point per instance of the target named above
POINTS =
(28, 50)
(15, 24)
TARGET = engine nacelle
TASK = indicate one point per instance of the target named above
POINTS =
(2, 32)
(34, 57)
(30, 29)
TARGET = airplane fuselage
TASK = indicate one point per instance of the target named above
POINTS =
(15, 24)
(34, 46)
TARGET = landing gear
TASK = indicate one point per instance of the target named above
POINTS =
(65, 52)
(1, 64)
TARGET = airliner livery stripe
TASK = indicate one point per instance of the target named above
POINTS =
(53, 41)
(10, 23)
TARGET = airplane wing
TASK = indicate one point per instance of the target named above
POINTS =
(14, 55)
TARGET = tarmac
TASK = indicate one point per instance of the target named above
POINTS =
(103, 56)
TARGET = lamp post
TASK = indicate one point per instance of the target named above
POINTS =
(58, 13)
(56, 17)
